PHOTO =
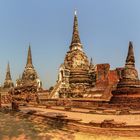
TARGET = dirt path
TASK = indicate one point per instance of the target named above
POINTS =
(86, 117)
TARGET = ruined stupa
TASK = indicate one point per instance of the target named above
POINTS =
(29, 77)
(8, 83)
(76, 74)
(127, 93)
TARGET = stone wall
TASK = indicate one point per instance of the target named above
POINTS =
(78, 103)
(6, 99)
(102, 73)
(105, 76)
(106, 80)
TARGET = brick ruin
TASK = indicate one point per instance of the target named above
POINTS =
(29, 80)
(85, 84)
(6, 87)
(127, 93)
(76, 74)
(26, 87)
(79, 78)
(106, 81)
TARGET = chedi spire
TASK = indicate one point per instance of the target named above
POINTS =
(8, 80)
(8, 74)
(29, 63)
(129, 71)
(130, 60)
(75, 35)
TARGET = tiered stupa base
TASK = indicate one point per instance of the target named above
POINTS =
(127, 94)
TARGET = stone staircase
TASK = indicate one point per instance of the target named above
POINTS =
(56, 88)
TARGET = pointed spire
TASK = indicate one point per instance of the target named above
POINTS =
(8, 74)
(75, 12)
(91, 61)
(8, 80)
(91, 66)
(29, 63)
(75, 36)
(130, 60)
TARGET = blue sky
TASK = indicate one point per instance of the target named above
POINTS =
(105, 28)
